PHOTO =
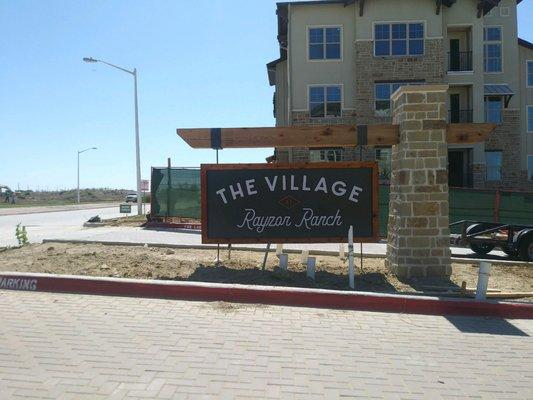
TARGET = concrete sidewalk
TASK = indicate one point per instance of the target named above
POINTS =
(56, 346)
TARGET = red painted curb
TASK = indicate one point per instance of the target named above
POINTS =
(264, 295)
(175, 225)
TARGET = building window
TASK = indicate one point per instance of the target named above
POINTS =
(530, 119)
(333, 155)
(530, 168)
(493, 109)
(383, 157)
(325, 101)
(504, 12)
(382, 94)
(398, 39)
(530, 73)
(492, 49)
(325, 43)
(493, 160)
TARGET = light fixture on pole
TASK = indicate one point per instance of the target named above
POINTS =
(137, 151)
(79, 152)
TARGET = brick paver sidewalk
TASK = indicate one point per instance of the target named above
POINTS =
(90, 347)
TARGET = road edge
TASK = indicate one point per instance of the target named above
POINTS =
(59, 208)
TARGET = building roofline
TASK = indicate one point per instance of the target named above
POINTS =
(525, 43)
(308, 2)
(271, 70)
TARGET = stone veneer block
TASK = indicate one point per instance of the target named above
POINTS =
(418, 234)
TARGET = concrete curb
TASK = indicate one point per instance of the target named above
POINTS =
(458, 260)
(203, 247)
(300, 297)
(93, 224)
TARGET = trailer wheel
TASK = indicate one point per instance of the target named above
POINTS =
(526, 248)
(511, 253)
(479, 248)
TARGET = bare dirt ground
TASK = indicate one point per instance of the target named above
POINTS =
(131, 221)
(140, 220)
(243, 267)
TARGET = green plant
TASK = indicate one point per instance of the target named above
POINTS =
(22, 235)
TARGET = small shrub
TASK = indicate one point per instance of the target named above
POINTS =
(22, 235)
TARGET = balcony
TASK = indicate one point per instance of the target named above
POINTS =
(459, 61)
(460, 116)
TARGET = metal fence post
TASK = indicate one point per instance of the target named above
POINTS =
(497, 200)
(169, 166)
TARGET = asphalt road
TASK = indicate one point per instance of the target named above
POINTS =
(56, 224)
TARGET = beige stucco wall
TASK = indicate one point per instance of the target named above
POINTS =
(392, 10)
(281, 94)
(305, 72)
(526, 98)
(463, 15)
(461, 20)
(464, 91)
(509, 73)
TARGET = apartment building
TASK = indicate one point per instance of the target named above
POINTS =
(340, 61)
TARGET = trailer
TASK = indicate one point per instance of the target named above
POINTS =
(482, 237)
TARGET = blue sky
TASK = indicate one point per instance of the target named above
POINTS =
(193, 72)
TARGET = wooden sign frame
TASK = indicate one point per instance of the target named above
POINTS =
(295, 166)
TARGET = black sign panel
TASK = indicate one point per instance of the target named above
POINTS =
(289, 203)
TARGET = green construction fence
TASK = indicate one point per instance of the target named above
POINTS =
(175, 192)
(183, 200)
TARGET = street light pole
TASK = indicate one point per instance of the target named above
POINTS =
(137, 145)
(79, 152)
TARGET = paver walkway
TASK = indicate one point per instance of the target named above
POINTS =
(90, 347)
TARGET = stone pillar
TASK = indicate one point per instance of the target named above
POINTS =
(418, 235)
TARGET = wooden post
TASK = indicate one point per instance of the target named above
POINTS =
(265, 257)
(497, 199)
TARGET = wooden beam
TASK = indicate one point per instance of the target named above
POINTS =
(295, 136)
(323, 136)
(468, 133)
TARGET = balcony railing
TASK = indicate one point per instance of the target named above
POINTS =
(460, 61)
(460, 116)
